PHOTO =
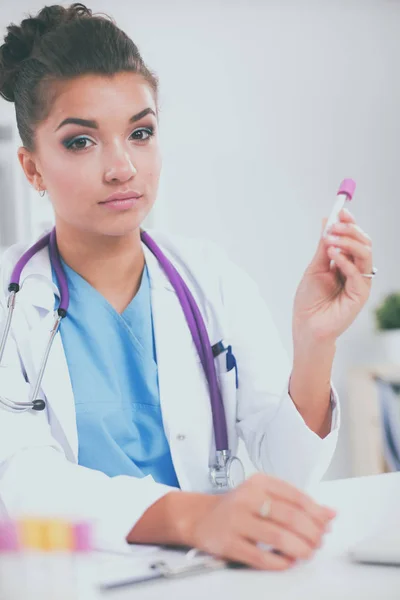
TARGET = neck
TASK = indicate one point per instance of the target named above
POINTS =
(113, 265)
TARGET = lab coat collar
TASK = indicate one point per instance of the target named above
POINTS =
(39, 288)
(158, 278)
(36, 282)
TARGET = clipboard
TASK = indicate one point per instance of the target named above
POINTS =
(165, 563)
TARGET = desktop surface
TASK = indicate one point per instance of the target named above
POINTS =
(365, 506)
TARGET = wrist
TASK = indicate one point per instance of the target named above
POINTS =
(192, 509)
(311, 350)
(310, 337)
(310, 384)
(173, 519)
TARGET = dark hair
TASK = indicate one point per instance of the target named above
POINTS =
(59, 44)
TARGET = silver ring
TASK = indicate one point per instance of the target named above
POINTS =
(370, 275)
(265, 508)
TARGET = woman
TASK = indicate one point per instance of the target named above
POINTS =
(126, 437)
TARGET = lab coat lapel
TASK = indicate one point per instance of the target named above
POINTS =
(33, 330)
(56, 384)
(183, 388)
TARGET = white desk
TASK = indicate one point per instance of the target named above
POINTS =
(364, 505)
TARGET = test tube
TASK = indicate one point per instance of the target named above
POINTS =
(47, 559)
(33, 567)
(10, 562)
(344, 195)
(58, 547)
(83, 561)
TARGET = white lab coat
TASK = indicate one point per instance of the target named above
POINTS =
(39, 471)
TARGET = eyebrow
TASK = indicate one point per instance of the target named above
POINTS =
(94, 124)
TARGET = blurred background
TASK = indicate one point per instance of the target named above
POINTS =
(265, 107)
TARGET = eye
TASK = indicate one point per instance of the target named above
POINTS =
(142, 134)
(77, 143)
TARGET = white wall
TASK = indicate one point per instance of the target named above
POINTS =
(265, 107)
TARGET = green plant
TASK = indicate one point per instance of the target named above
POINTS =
(388, 313)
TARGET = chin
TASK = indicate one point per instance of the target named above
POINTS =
(122, 227)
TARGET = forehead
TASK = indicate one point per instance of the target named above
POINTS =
(100, 97)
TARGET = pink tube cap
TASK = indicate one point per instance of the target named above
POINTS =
(9, 540)
(83, 536)
(347, 187)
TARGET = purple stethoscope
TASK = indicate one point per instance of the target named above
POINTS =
(227, 471)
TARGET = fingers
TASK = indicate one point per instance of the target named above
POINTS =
(351, 230)
(277, 488)
(287, 528)
(297, 521)
(346, 217)
(234, 528)
(324, 222)
(351, 246)
(354, 244)
(294, 526)
(248, 553)
(284, 540)
(347, 227)
(344, 264)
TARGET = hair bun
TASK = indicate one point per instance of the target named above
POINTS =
(20, 40)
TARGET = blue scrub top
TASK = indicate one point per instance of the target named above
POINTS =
(113, 369)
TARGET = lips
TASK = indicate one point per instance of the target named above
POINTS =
(128, 195)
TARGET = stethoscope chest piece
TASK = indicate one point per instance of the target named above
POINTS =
(227, 473)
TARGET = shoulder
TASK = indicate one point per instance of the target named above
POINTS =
(181, 246)
(206, 263)
(199, 257)
(8, 259)
(13, 254)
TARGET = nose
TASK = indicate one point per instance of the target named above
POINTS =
(120, 167)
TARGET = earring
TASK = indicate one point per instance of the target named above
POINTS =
(42, 193)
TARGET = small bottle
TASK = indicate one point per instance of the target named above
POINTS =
(33, 574)
(344, 195)
(58, 543)
(10, 562)
(84, 567)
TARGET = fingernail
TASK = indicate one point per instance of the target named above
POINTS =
(333, 239)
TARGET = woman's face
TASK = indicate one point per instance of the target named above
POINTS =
(99, 139)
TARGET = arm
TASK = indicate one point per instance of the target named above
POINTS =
(310, 386)
(327, 302)
(37, 478)
(279, 437)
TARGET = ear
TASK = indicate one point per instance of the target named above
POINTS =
(29, 165)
